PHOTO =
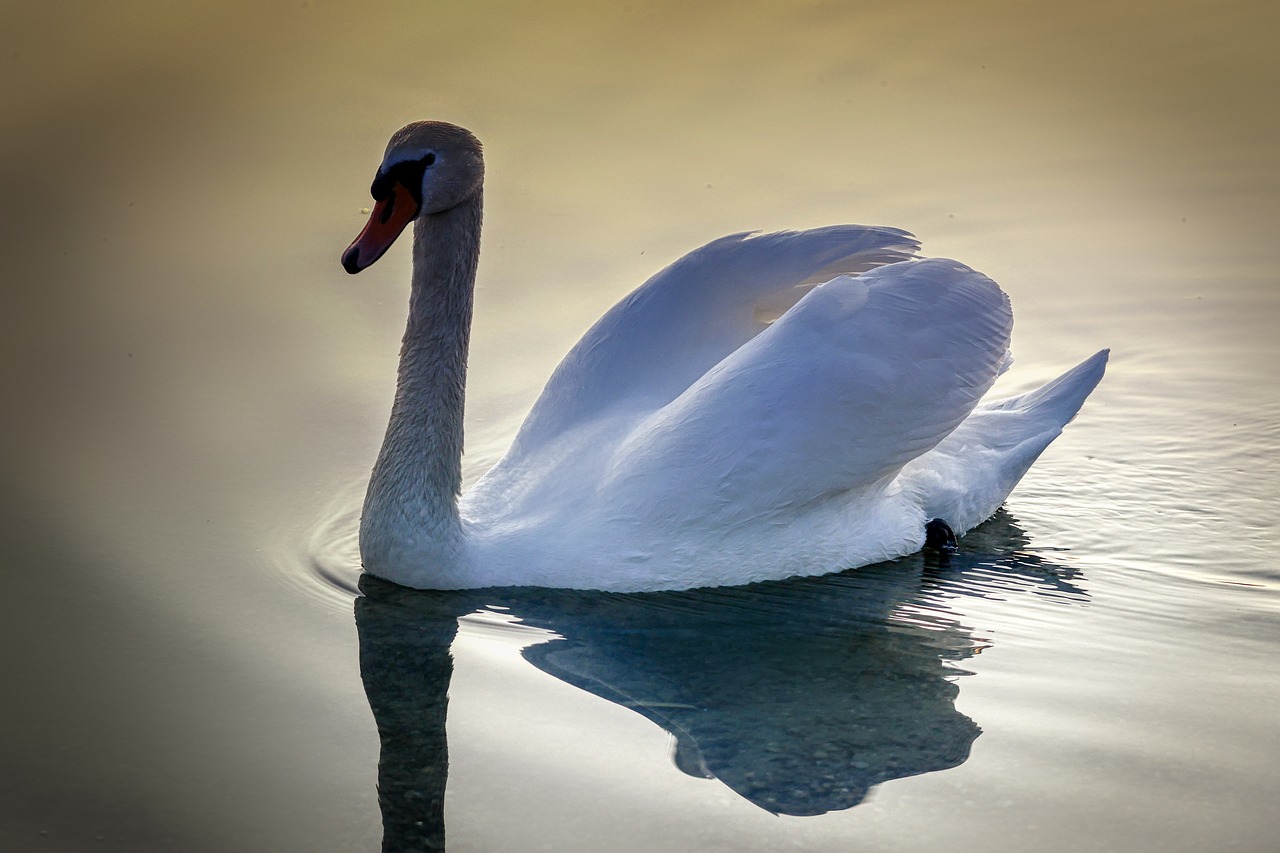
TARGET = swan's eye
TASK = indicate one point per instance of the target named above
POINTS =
(429, 160)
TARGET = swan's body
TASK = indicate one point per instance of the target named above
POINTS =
(690, 439)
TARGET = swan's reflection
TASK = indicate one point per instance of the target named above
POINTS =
(799, 695)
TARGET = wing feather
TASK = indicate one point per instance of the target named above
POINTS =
(863, 375)
(651, 346)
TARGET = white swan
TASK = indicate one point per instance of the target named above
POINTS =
(734, 419)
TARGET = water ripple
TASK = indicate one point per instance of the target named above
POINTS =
(325, 561)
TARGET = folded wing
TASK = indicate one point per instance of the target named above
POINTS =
(651, 346)
(861, 376)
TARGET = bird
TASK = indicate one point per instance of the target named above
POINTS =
(770, 405)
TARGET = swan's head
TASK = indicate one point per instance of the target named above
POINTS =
(430, 167)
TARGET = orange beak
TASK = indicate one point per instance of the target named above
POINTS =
(389, 217)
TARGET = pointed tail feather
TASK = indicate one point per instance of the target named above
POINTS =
(966, 478)
(1061, 398)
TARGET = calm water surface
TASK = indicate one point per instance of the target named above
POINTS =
(195, 391)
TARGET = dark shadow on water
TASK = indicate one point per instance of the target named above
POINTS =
(406, 666)
(800, 695)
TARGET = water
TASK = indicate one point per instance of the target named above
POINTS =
(196, 390)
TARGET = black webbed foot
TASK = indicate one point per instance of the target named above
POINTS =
(938, 536)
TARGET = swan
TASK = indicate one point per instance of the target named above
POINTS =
(769, 405)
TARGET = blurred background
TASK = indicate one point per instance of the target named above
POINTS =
(193, 387)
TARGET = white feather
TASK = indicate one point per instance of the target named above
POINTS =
(684, 442)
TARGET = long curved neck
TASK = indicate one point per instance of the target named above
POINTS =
(411, 508)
